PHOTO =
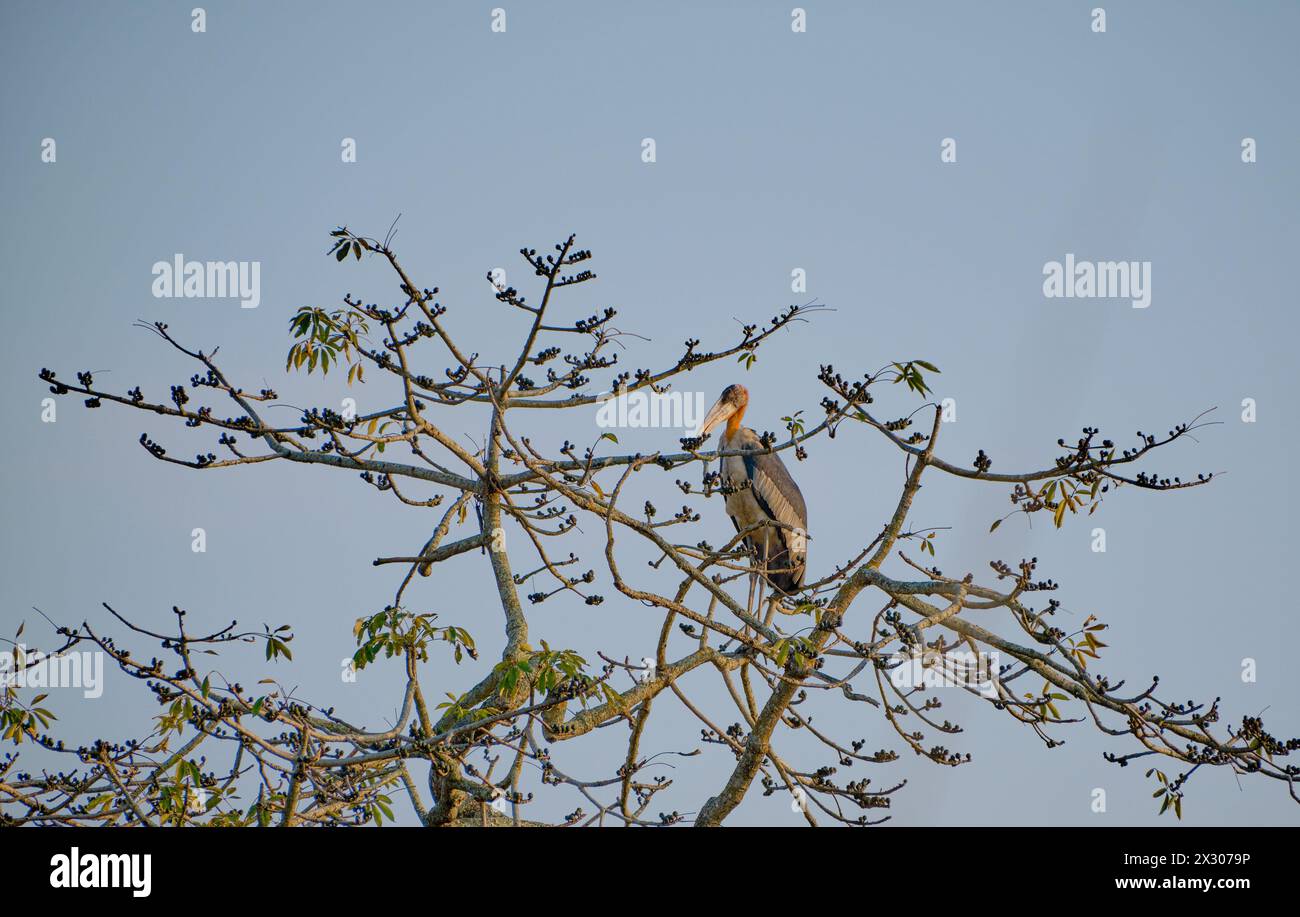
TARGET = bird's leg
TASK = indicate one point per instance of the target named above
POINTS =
(753, 585)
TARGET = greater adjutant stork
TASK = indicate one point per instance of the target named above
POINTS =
(760, 490)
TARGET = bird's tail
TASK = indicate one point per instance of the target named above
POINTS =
(781, 570)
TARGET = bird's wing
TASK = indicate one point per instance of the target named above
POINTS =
(779, 497)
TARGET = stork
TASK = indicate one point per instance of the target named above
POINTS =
(760, 491)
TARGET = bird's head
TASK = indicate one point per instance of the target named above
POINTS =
(729, 407)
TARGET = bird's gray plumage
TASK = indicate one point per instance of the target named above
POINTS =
(762, 490)
(761, 495)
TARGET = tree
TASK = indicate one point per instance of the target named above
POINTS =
(221, 753)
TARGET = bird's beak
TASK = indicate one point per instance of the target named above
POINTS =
(717, 414)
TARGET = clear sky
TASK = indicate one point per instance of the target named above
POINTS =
(775, 151)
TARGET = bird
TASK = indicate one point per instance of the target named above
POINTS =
(760, 490)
